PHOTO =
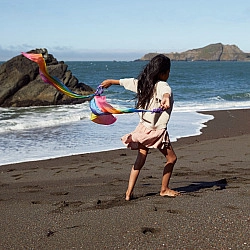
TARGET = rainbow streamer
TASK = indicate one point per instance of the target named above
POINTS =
(102, 112)
(46, 77)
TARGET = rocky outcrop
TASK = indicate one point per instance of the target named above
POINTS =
(22, 86)
(212, 52)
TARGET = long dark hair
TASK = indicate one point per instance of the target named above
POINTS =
(149, 77)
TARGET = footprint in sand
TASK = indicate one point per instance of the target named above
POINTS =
(150, 230)
(59, 193)
(17, 176)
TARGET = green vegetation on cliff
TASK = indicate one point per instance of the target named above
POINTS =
(212, 52)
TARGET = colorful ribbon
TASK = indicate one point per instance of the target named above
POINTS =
(46, 77)
(102, 112)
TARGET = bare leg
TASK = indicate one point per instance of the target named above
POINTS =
(167, 172)
(135, 171)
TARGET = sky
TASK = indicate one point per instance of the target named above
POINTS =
(102, 30)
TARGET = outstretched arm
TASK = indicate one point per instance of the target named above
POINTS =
(107, 83)
(165, 102)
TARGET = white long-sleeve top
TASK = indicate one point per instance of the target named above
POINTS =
(152, 120)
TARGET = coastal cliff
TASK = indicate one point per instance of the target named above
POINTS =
(212, 52)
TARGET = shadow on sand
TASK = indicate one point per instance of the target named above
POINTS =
(196, 186)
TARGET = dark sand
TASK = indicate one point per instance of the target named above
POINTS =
(78, 202)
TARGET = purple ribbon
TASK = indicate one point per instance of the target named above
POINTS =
(99, 90)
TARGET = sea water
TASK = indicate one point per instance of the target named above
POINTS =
(35, 133)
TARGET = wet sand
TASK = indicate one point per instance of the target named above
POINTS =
(77, 202)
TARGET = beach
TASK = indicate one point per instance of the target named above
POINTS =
(78, 202)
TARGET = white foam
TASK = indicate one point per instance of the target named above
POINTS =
(85, 137)
(184, 124)
(67, 130)
(34, 118)
(209, 106)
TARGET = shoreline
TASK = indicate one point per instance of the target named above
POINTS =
(207, 132)
(78, 201)
(109, 138)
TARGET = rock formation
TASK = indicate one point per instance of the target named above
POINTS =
(212, 52)
(22, 86)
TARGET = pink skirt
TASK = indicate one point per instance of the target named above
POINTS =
(147, 137)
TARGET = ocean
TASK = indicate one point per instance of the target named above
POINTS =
(36, 133)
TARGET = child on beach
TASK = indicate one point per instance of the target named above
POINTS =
(152, 92)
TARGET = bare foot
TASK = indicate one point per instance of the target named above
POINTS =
(169, 193)
(128, 197)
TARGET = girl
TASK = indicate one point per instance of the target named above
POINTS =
(152, 92)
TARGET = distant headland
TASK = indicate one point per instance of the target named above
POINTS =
(211, 52)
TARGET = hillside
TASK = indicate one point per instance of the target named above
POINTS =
(212, 52)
